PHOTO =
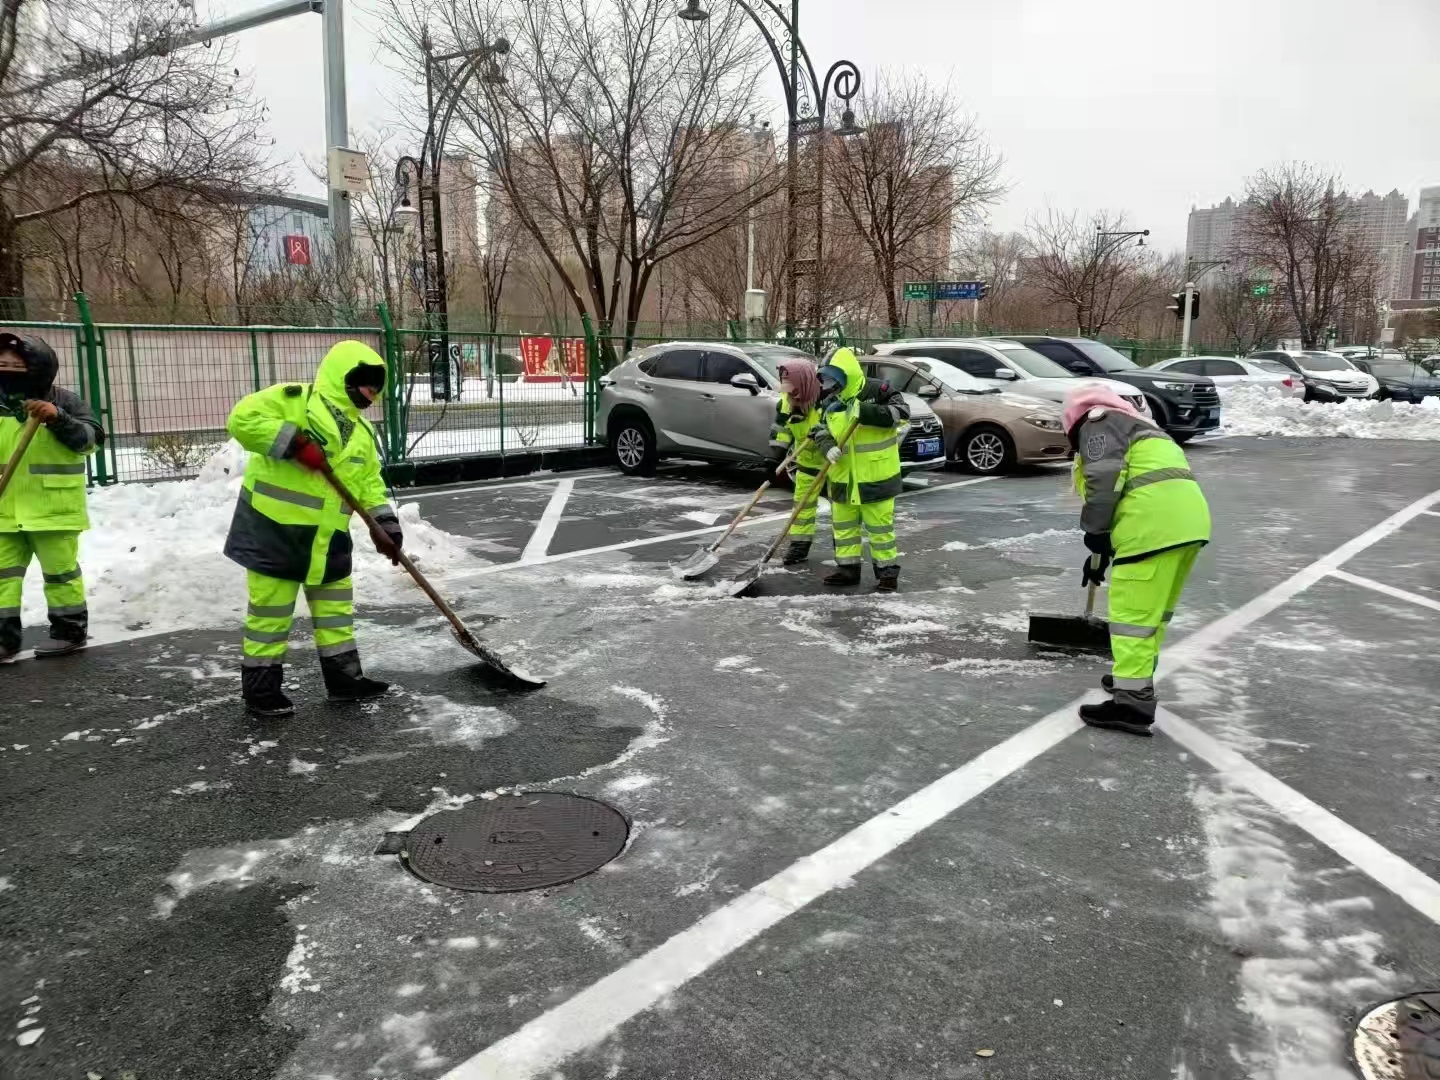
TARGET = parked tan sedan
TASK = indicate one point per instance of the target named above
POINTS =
(986, 430)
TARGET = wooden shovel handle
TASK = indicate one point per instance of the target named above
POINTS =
(404, 560)
(814, 493)
(27, 434)
(760, 494)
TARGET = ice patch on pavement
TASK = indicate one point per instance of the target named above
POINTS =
(154, 555)
(410, 1045)
(451, 722)
(918, 626)
(652, 736)
(1260, 410)
(632, 782)
(297, 975)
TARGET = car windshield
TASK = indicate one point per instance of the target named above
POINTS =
(768, 356)
(953, 377)
(1042, 367)
(1394, 369)
(1324, 361)
(1105, 356)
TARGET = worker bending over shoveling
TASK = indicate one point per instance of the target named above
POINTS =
(795, 414)
(864, 474)
(291, 529)
(43, 512)
(1146, 519)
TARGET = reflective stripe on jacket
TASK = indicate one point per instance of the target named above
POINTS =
(786, 432)
(47, 493)
(869, 470)
(289, 522)
(1137, 486)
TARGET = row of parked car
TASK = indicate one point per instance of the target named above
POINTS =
(1317, 375)
(987, 404)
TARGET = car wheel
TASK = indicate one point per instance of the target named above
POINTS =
(1158, 413)
(632, 441)
(986, 450)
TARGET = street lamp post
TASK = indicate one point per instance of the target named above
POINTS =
(1106, 242)
(444, 85)
(807, 98)
(1195, 269)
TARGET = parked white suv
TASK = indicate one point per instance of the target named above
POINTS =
(1007, 365)
(716, 401)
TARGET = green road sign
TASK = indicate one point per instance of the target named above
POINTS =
(1261, 289)
(916, 290)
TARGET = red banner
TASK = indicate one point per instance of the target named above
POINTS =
(543, 361)
(297, 250)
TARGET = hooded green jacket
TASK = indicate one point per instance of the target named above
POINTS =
(289, 522)
(869, 469)
(47, 493)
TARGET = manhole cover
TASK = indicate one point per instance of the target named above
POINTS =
(515, 842)
(1400, 1039)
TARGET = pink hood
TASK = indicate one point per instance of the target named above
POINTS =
(1089, 396)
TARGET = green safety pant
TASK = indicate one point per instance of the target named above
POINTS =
(804, 527)
(272, 611)
(1143, 595)
(59, 556)
(879, 521)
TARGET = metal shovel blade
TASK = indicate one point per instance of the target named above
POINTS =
(742, 582)
(697, 564)
(1075, 633)
(496, 667)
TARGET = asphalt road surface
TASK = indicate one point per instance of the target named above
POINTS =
(869, 837)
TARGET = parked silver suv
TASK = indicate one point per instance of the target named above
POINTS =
(715, 401)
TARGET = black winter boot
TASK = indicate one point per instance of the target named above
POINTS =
(9, 636)
(1107, 683)
(1118, 717)
(264, 699)
(345, 681)
(796, 553)
(887, 578)
(843, 576)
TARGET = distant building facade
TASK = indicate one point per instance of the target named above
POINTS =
(1424, 262)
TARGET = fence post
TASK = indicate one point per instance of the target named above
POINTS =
(92, 388)
(395, 436)
(592, 378)
(254, 362)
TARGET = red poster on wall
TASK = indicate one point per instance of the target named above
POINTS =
(297, 250)
(543, 362)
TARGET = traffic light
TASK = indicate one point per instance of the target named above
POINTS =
(1177, 304)
(1195, 305)
(981, 294)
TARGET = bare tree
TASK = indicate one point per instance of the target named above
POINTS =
(1297, 226)
(91, 87)
(614, 136)
(1232, 315)
(1096, 280)
(922, 170)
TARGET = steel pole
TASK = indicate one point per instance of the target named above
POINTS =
(1185, 320)
(337, 121)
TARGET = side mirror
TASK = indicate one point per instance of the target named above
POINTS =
(927, 391)
(746, 381)
(1005, 373)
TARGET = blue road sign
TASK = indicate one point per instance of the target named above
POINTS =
(958, 290)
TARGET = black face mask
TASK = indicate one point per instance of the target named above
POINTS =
(367, 375)
(40, 368)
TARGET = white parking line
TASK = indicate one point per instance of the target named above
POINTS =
(1388, 590)
(1433, 513)
(1388, 869)
(596, 1012)
(647, 541)
(549, 521)
(500, 484)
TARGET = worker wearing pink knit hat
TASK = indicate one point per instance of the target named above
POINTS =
(1146, 519)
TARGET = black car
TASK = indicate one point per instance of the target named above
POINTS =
(1400, 380)
(1184, 405)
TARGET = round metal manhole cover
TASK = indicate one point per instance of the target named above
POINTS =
(1400, 1039)
(515, 842)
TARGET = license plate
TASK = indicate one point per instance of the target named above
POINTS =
(927, 448)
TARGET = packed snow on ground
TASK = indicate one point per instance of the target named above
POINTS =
(1261, 410)
(154, 555)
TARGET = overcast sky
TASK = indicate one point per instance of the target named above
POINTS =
(1140, 106)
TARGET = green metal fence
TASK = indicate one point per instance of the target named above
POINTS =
(163, 391)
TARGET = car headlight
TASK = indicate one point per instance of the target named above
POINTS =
(1175, 387)
(1046, 423)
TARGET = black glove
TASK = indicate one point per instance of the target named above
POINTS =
(836, 404)
(1094, 574)
(392, 539)
(818, 432)
(1099, 543)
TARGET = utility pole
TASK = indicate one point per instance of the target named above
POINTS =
(1185, 319)
(337, 121)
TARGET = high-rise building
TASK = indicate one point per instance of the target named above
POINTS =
(1211, 233)
(1425, 247)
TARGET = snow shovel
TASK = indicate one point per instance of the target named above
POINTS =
(468, 640)
(1076, 633)
(27, 433)
(704, 557)
(752, 575)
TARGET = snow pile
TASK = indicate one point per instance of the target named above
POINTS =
(154, 555)
(1262, 410)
